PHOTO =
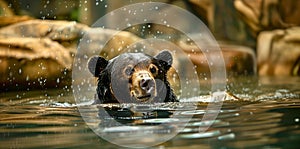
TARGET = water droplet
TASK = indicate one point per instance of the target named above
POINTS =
(195, 89)
(230, 136)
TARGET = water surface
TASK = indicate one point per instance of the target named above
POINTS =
(267, 117)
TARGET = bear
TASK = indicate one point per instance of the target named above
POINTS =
(133, 78)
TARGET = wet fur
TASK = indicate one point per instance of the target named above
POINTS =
(115, 67)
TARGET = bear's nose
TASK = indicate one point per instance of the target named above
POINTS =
(146, 84)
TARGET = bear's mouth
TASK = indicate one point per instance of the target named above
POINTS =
(144, 97)
(143, 94)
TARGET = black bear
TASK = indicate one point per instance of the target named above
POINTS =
(133, 78)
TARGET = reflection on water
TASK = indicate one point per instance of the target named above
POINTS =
(270, 118)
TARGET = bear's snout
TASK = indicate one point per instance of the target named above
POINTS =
(147, 84)
(143, 85)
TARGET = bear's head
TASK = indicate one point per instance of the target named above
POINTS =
(133, 77)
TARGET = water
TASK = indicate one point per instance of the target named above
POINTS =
(267, 117)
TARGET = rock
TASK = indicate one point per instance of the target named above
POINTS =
(262, 15)
(5, 21)
(65, 32)
(39, 53)
(32, 62)
(228, 26)
(241, 21)
(203, 9)
(117, 41)
(239, 60)
(278, 52)
(223, 19)
(55, 30)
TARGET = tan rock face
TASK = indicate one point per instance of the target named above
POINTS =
(32, 62)
(270, 14)
(37, 53)
(278, 52)
(55, 30)
(5, 20)
(238, 60)
(65, 32)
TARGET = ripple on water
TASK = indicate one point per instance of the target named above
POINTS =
(268, 118)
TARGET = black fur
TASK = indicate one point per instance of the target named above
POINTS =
(104, 70)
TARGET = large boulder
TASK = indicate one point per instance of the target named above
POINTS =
(32, 62)
(37, 53)
(65, 32)
(238, 60)
(278, 52)
(40, 53)
(262, 15)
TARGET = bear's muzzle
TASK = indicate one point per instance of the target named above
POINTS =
(143, 86)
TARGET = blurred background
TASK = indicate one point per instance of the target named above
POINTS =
(259, 40)
(38, 39)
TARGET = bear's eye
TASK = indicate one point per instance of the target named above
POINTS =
(153, 69)
(129, 70)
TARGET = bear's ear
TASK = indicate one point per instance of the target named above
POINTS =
(165, 59)
(97, 64)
